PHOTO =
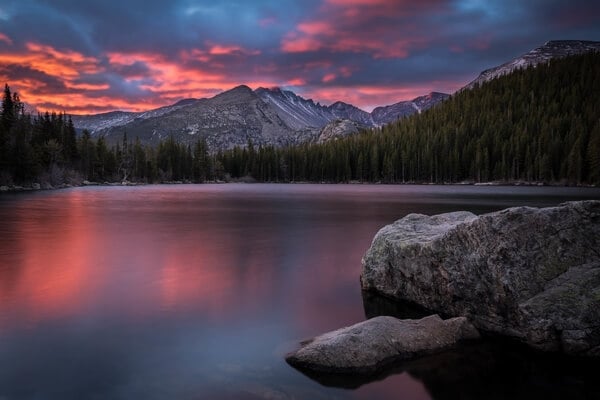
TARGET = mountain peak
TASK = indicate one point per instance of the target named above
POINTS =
(237, 94)
(542, 54)
(240, 88)
(340, 104)
(273, 89)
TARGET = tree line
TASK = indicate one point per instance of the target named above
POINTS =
(46, 149)
(536, 124)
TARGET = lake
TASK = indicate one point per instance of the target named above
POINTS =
(198, 291)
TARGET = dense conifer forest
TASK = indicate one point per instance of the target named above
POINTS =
(540, 124)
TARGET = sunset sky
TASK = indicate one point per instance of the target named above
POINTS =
(94, 56)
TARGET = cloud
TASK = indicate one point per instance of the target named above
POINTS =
(138, 54)
(379, 28)
(4, 38)
(369, 97)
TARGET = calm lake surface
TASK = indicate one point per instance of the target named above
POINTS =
(198, 292)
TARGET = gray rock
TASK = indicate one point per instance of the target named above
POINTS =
(529, 273)
(369, 345)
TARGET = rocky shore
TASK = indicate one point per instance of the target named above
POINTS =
(531, 274)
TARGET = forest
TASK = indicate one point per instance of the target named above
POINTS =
(537, 124)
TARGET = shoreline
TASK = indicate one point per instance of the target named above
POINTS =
(37, 187)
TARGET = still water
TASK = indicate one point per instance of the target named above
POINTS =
(198, 291)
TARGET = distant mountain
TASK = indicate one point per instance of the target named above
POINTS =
(265, 116)
(341, 110)
(229, 119)
(300, 113)
(279, 117)
(100, 122)
(550, 50)
(295, 111)
(387, 114)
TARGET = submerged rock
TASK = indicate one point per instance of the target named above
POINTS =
(524, 272)
(370, 345)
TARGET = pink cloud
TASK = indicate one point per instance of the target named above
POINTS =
(296, 82)
(222, 50)
(368, 97)
(292, 43)
(316, 28)
(329, 78)
(373, 27)
(4, 38)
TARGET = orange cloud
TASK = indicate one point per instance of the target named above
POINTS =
(87, 86)
(169, 77)
(4, 38)
(369, 97)
(296, 82)
(46, 59)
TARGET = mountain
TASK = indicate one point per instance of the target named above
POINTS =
(341, 110)
(550, 50)
(295, 111)
(267, 116)
(273, 116)
(229, 119)
(387, 114)
(300, 113)
(99, 122)
(535, 125)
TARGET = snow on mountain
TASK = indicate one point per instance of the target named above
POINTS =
(99, 122)
(265, 116)
(542, 54)
(232, 118)
(295, 111)
(385, 115)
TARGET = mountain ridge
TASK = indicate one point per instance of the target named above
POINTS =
(296, 118)
(552, 49)
(276, 116)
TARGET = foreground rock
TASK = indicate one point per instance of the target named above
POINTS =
(372, 344)
(529, 273)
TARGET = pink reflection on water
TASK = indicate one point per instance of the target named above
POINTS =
(48, 276)
(79, 254)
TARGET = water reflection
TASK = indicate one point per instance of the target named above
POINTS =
(197, 291)
(490, 368)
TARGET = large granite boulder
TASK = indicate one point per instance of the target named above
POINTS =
(370, 345)
(529, 273)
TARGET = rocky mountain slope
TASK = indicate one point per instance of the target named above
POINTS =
(542, 54)
(265, 116)
(227, 120)
(387, 114)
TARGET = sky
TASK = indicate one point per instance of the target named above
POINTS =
(95, 56)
